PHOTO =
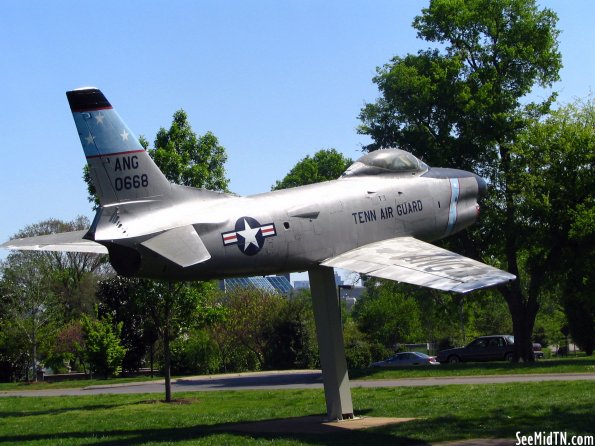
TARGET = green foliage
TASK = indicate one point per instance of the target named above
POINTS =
(184, 157)
(292, 339)
(557, 156)
(580, 312)
(65, 352)
(358, 351)
(195, 353)
(101, 345)
(188, 159)
(461, 105)
(325, 165)
(250, 316)
(388, 315)
(263, 330)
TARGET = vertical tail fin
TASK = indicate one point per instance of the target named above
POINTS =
(121, 170)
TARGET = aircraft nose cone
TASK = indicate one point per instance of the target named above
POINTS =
(482, 186)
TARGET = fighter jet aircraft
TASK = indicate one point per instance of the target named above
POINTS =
(377, 219)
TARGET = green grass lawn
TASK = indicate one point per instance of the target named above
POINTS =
(442, 412)
(72, 384)
(578, 364)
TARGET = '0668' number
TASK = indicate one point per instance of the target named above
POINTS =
(132, 182)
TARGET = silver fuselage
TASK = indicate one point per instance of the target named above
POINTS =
(309, 223)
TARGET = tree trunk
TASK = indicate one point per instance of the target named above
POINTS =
(523, 312)
(34, 355)
(152, 356)
(167, 367)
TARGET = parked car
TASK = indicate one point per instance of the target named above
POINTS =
(485, 348)
(537, 352)
(406, 359)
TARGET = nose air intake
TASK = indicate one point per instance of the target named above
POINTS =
(482, 186)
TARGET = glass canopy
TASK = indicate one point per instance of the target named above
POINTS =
(386, 161)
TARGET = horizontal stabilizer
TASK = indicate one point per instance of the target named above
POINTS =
(406, 259)
(182, 246)
(65, 242)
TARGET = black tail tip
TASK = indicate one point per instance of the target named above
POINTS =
(87, 99)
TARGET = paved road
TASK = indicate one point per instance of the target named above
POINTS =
(300, 379)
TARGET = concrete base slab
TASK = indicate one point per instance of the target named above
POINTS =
(311, 425)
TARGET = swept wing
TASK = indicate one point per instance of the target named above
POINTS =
(406, 259)
(66, 241)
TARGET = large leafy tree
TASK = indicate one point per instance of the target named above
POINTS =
(189, 159)
(557, 156)
(30, 309)
(461, 105)
(174, 309)
(325, 165)
(119, 300)
(72, 275)
(41, 290)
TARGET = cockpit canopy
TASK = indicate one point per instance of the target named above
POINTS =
(393, 161)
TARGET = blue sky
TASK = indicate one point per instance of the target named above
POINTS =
(274, 81)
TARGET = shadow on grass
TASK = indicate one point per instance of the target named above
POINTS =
(225, 433)
(60, 410)
(492, 424)
(233, 381)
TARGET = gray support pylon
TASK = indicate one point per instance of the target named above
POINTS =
(329, 332)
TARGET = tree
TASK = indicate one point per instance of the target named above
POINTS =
(460, 105)
(191, 160)
(188, 159)
(292, 340)
(174, 309)
(557, 156)
(250, 317)
(325, 165)
(42, 290)
(72, 276)
(387, 314)
(101, 345)
(118, 299)
(30, 309)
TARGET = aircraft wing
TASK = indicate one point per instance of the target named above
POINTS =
(406, 259)
(65, 241)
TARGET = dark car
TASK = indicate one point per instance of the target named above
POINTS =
(406, 359)
(485, 348)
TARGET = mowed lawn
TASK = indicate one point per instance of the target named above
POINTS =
(443, 413)
(574, 364)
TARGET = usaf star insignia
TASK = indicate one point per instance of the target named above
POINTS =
(249, 235)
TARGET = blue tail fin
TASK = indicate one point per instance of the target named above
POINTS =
(120, 168)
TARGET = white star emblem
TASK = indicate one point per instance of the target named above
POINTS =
(124, 135)
(99, 118)
(249, 235)
(89, 139)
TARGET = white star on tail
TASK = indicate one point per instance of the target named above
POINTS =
(99, 118)
(89, 139)
(124, 135)
(249, 235)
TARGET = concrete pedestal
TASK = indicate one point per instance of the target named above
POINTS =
(329, 332)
